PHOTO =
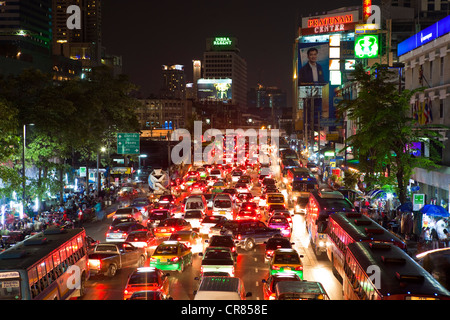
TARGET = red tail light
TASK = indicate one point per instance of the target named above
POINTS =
(239, 237)
(152, 259)
(175, 259)
(275, 267)
(95, 263)
(269, 252)
(299, 268)
(172, 229)
(233, 249)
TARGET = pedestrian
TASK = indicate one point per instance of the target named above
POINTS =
(434, 239)
(446, 239)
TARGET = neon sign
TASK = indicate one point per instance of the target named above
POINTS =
(367, 10)
(366, 46)
(222, 41)
(329, 24)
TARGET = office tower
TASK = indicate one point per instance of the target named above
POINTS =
(173, 82)
(25, 35)
(222, 60)
(84, 44)
(197, 74)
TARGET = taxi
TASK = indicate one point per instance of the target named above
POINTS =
(286, 260)
(147, 278)
(171, 255)
(300, 290)
(248, 214)
(169, 226)
(218, 187)
(275, 198)
(269, 285)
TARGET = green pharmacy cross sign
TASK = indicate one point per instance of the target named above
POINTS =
(366, 46)
(222, 41)
(128, 143)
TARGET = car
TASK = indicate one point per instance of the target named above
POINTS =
(117, 221)
(128, 212)
(223, 205)
(171, 255)
(148, 295)
(210, 180)
(225, 227)
(273, 207)
(217, 173)
(127, 192)
(274, 243)
(270, 188)
(286, 213)
(142, 239)
(202, 171)
(167, 206)
(266, 181)
(142, 204)
(269, 285)
(312, 167)
(223, 241)
(208, 222)
(145, 278)
(194, 217)
(218, 259)
(249, 206)
(188, 181)
(218, 186)
(245, 214)
(280, 222)
(236, 175)
(244, 197)
(169, 226)
(197, 187)
(190, 238)
(241, 187)
(119, 233)
(231, 191)
(246, 180)
(286, 260)
(156, 216)
(300, 290)
(275, 198)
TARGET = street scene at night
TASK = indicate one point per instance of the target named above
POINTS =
(192, 153)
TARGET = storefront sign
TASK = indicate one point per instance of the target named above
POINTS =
(329, 23)
(222, 41)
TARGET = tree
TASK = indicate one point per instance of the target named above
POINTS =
(385, 129)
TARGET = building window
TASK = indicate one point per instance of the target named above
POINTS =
(441, 108)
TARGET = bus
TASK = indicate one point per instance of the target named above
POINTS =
(320, 205)
(51, 265)
(383, 271)
(299, 183)
(349, 227)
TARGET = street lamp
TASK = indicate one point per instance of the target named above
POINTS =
(24, 179)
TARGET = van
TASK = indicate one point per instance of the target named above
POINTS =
(221, 288)
(196, 202)
(223, 205)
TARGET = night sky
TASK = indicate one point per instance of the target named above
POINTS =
(151, 33)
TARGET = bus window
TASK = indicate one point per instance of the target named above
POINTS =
(57, 263)
(33, 281)
(63, 259)
(50, 269)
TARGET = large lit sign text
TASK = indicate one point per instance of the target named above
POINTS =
(366, 46)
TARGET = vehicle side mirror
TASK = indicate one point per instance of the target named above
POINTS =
(301, 256)
(206, 241)
(263, 281)
(248, 294)
(292, 243)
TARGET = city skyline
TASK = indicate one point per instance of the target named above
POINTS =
(156, 34)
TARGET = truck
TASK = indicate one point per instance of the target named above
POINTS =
(217, 259)
(107, 258)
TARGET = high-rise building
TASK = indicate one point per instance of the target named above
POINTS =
(222, 60)
(197, 74)
(85, 43)
(25, 35)
(173, 82)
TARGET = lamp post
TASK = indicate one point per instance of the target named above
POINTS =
(24, 178)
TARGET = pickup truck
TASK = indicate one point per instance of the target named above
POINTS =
(249, 233)
(107, 258)
(217, 259)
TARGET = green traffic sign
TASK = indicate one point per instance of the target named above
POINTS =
(128, 143)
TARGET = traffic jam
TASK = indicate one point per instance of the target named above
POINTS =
(230, 231)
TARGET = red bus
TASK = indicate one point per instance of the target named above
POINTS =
(349, 227)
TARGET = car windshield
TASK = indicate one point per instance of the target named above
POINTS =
(275, 199)
(140, 203)
(276, 207)
(278, 221)
(143, 278)
(194, 205)
(212, 219)
(124, 211)
(285, 258)
(220, 255)
(137, 236)
(193, 215)
(159, 215)
(122, 220)
(215, 172)
(166, 249)
(221, 241)
(222, 203)
(169, 222)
